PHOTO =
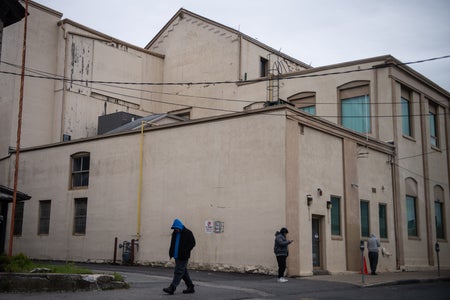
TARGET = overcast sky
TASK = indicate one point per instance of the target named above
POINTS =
(317, 32)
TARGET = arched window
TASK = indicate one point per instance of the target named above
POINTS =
(439, 209)
(80, 170)
(411, 207)
(305, 101)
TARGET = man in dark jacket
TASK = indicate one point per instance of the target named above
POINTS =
(181, 245)
(281, 252)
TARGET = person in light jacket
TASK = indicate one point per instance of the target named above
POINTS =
(372, 246)
(281, 252)
(181, 245)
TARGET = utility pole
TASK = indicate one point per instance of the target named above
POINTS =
(19, 129)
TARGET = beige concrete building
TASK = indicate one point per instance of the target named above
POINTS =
(333, 153)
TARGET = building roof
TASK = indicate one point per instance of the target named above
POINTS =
(181, 12)
(6, 194)
(149, 121)
(11, 11)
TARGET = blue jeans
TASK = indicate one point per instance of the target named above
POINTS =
(181, 272)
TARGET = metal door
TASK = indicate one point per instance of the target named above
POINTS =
(316, 244)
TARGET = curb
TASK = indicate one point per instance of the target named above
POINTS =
(44, 282)
(406, 281)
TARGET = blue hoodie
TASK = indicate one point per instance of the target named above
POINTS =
(177, 224)
(182, 241)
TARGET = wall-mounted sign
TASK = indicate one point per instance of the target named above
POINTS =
(214, 226)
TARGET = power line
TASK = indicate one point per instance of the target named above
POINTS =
(228, 81)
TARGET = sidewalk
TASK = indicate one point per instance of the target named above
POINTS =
(387, 278)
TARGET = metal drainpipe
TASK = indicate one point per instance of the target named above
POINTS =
(141, 156)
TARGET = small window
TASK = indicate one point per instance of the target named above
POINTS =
(405, 102)
(411, 215)
(44, 216)
(355, 106)
(18, 218)
(80, 216)
(382, 220)
(264, 67)
(365, 229)
(434, 129)
(305, 101)
(335, 215)
(80, 170)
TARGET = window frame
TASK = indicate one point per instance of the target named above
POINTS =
(364, 234)
(304, 101)
(433, 124)
(263, 67)
(439, 201)
(335, 210)
(74, 174)
(80, 216)
(44, 220)
(413, 201)
(383, 222)
(351, 92)
(406, 116)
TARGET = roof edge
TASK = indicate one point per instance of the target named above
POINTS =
(107, 37)
(182, 11)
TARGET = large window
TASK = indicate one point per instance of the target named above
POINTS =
(406, 112)
(355, 106)
(434, 138)
(382, 220)
(80, 216)
(335, 215)
(305, 101)
(439, 212)
(18, 218)
(44, 216)
(365, 228)
(411, 216)
(80, 170)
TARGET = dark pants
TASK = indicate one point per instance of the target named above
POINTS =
(181, 272)
(281, 265)
(373, 259)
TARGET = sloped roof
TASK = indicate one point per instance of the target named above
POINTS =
(6, 194)
(183, 11)
(149, 120)
(11, 11)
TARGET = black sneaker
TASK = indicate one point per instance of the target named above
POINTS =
(169, 290)
(189, 290)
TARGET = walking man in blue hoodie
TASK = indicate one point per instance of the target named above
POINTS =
(181, 244)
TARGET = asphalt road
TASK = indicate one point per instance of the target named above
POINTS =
(147, 283)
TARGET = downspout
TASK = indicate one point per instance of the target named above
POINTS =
(141, 158)
(399, 255)
(240, 57)
(426, 181)
(63, 100)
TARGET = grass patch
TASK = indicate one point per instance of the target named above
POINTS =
(21, 264)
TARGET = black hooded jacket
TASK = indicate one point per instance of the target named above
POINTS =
(187, 242)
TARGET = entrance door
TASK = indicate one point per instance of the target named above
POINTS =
(316, 243)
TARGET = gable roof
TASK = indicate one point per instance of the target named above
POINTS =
(181, 12)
